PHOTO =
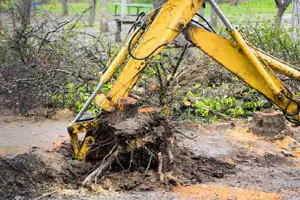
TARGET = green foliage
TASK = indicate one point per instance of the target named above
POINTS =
(276, 41)
(76, 96)
(107, 87)
(210, 109)
(75, 25)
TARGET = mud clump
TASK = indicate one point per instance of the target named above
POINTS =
(21, 175)
(31, 174)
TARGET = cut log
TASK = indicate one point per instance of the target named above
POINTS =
(268, 123)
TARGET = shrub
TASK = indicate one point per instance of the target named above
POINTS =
(43, 67)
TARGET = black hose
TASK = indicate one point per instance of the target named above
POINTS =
(142, 26)
(201, 25)
(208, 24)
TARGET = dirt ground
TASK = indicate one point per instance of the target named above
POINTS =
(20, 134)
(36, 162)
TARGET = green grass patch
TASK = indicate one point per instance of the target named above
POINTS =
(78, 8)
(251, 7)
(254, 7)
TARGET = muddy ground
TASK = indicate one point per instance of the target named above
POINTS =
(235, 164)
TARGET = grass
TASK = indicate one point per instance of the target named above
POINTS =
(251, 7)
(78, 8)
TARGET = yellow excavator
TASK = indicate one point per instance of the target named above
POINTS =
(153, 31)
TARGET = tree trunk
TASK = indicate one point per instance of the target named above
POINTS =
(234, 2)
(279, 16)
(123, 8)
(268, 123)
(92, 12)
(295, 18)
(157, 3)
(104, 16)
(282, 5)
(0, 15)
(65, 7)
(213, 19)
(24, 9)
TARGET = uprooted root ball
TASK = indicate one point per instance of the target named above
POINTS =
(147, 144)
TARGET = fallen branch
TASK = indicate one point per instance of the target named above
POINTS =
(149, 163)
(106, 162)
(170, 154)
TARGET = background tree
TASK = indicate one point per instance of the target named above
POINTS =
(92, 12)
(296, 17)
(123, 8)
(103, 16)
(0, 15)
(157, 3)
(65, 7)
(282, 5)
(234, 2)
(24, 9)
(213, 19)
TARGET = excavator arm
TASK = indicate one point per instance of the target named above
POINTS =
(159, 28)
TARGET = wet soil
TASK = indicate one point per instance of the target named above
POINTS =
(20, 134)
(263, 169)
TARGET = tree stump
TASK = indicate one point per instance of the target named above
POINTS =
(268, 123)
(128, 107)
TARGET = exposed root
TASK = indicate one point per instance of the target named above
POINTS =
(97, 172)
(160, 166)
(148, 166)
(106, 162)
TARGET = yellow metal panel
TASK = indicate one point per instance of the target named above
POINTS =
(86, 145)
(75, 143)
(230, 56)
(82, 127)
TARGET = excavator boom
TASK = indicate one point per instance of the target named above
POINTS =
(158, 29)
